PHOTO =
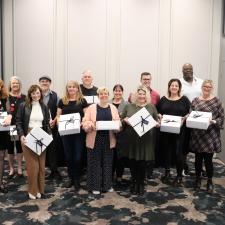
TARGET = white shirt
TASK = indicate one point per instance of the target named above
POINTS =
(36, 116)
(191, 90)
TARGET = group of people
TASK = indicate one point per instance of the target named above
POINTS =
(105, 153)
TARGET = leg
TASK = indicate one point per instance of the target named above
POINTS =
(198, 169)
(133, 171)
(209, 170)
(2, 155)
(41, 173)
(19, 158)
(141, 168)
(32, 166)
(11, 159)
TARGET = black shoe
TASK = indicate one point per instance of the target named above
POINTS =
(69, 184)
(57, 175)
(177, 181)
(3, 190)
(76, 186)
(210, 186)
(166, 178)
(198, 183)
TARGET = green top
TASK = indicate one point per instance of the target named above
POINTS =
(138, 148)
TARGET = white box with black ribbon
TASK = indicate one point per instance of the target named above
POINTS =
(37, 140)
(142, 121)
(69, 124)
(92, 99)
(199, 120)
(171, 124)
(108, 125)
(13, 133)
(3, 115)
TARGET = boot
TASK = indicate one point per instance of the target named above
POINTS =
(166, 178)
(210, 186)
(198, 183)
(132, 187)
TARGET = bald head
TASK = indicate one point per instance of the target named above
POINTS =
(187, 72)
(87, 78)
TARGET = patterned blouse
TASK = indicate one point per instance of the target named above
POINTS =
(208, 140)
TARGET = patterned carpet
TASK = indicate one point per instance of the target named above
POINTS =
(160, 205)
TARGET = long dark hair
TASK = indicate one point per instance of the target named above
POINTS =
(32, 89)
(179, 84)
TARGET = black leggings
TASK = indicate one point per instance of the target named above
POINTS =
(208, 163)
(137, 169)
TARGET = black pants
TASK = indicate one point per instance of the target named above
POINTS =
(208, 163)
(137, 169)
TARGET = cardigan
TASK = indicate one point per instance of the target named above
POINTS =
(89, 119)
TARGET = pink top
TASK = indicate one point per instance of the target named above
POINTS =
(90, 119)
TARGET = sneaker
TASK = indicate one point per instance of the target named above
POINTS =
(96, 192)
(111, 190)
(38, 195)
(32, 197)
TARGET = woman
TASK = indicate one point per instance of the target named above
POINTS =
(33, 113)
(172, 144)
(207, 142)
(119, 161)
(72, 102)
(139, 149)
(15, 99)
(4, 135)
(100, 144)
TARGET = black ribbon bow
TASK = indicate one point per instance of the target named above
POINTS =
(196, 115)
(169, 121)
(71, 120)
(143, 122)
(38, 142)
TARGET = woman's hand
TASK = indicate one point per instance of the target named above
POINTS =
(126, 120)
(7, 120)
(23, 140)
(213, 122)
(52, 123)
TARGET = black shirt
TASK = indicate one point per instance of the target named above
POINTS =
(88, 91)
(73, 107)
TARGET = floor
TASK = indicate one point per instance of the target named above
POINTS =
(160, 205)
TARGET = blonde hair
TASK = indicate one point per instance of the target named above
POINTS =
(102, 89)
(146, 90)
(15, 78)
(207, 82)
(79, 95)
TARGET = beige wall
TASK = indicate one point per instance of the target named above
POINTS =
(117, 39)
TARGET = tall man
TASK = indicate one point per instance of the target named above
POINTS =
(191, 87)
(50, 99)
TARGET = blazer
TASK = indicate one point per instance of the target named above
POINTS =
(23, 118)
(90, 119)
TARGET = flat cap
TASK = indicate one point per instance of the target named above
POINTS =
(45, 77)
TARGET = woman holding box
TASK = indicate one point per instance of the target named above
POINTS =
(207, 142)
(72, 102)
(139, 149)
(33, 113)
(100, 144)
(172, 144)
(4, 135)
(15, 99)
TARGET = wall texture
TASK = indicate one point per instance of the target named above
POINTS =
(116, 39)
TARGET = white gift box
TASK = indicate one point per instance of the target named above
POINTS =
(69, 124)
(2, 118)
(171, 124)
(199, 120)
(37, 140)
(92, 99)
(107, 125)
(13, 133)
(142, 121)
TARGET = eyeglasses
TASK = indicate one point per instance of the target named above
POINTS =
(146, 79)
(208, 87)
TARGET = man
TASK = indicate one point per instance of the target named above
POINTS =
(146, 79)
(191, 87)
(50, 99)
(87, 88)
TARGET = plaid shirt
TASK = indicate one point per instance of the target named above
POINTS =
(208, 140)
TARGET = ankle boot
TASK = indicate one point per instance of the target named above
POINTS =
(132, 186)
(166, 178)
(198, 183)
(210, 186)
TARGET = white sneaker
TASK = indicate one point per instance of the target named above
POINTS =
(31, 196)
(38, 195)
(111, 190)
(96, 192)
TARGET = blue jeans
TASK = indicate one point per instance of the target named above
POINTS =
(73, 148)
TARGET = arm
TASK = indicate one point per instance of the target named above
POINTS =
(19, 123)
(87, 124)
